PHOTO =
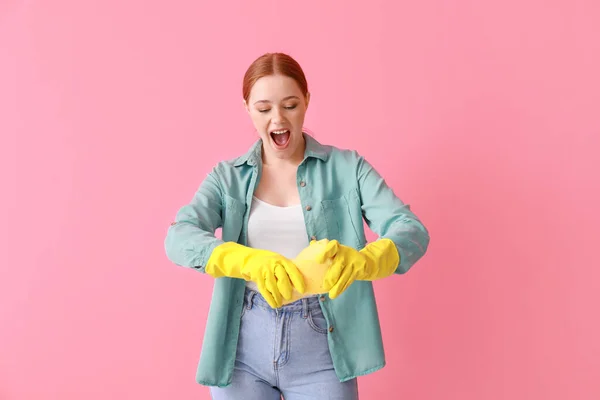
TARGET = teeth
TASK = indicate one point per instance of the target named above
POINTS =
(279, 132)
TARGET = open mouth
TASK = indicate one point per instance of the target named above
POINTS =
(281, 137)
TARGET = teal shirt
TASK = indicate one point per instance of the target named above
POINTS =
(338, 188)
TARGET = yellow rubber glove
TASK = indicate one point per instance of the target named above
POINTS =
(275, 275)
(377, 260)
(313, 272)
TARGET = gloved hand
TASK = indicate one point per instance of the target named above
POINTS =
(377, 260)
(275, 275)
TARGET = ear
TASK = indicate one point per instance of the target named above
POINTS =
(246, 106)
(307, 98)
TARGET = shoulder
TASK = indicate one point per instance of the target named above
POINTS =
(344, 157)
(227, 172)
(349, 164)
(233, 175)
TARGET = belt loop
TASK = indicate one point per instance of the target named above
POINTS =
(251, 300)
(304, 307)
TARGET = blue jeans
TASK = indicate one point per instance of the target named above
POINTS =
(284, 352)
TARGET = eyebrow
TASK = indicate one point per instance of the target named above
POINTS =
(286, 98)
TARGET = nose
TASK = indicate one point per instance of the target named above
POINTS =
(277, 117)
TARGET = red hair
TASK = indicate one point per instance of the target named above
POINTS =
(273, 64)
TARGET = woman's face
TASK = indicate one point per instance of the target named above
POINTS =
(277, 107)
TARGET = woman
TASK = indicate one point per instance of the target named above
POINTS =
(290, 193)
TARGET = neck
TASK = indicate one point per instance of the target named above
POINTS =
(293, 161)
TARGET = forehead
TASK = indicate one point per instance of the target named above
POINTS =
(274, 88)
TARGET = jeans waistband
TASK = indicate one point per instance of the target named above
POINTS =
(252, 297)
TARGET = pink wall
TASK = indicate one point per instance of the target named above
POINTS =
(112, 112)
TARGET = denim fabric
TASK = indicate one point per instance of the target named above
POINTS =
(284, 351)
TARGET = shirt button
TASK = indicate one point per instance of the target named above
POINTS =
(331, 329)
(313, 238)
(302, 183)
(322, 298)
(308, 208)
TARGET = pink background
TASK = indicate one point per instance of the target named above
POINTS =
(482, 115)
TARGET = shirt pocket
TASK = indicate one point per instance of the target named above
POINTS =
(233, 219)
(343, 221)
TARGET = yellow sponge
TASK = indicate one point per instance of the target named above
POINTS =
(312, 271)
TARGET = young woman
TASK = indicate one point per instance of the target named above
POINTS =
(287, 194)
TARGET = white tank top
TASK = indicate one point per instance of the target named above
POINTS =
(278, 229)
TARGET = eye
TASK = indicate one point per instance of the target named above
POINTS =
(264, 111)
(291, 107)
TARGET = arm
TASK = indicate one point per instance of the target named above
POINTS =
(191, 242)
(191, 237)
(402, 237)
(389, 217)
